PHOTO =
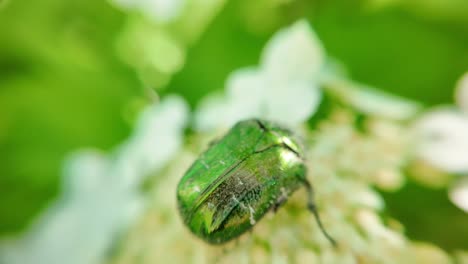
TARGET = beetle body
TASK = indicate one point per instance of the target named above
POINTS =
(251, 170)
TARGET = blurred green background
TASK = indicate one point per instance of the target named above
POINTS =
(63, 86)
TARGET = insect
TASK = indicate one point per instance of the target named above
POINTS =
(253, 169)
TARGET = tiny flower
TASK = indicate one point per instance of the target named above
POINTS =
(444, 135)
(284, 88)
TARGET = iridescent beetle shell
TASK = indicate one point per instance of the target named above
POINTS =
(232, 185)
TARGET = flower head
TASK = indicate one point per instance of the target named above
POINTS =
(444, 134)
(284, 88)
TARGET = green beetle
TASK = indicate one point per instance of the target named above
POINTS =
(254, 168)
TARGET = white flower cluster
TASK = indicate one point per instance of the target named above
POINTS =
(343, 165)
(101, 193)
(445, 134)
(444, 144)
(284, 88)
(347, 204)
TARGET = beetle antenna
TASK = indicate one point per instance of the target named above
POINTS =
(313, 208)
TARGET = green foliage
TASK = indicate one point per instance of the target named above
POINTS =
(65, 85)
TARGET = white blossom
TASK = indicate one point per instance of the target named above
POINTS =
(444, 139)
(444, 135)
(347, 204)
(101, 197)
(284, 88)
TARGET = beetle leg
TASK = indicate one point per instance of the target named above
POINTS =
(281, 200)
(261, 125)
(313, 208)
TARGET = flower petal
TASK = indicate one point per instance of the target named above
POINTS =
(157, 138)
(293, 104)
(461, 93)
(211, 112)
(294, 53)
(244, 99)
(444, 140)
(85, 172)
